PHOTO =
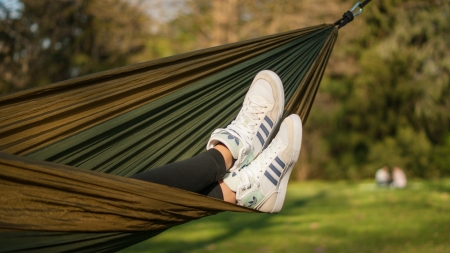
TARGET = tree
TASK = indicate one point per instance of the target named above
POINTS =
(384, 100)
(50, 41)
(395, 109)
(201, 23)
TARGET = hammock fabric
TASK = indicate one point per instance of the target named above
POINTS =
(55, 140)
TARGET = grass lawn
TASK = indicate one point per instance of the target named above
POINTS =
(321, 217)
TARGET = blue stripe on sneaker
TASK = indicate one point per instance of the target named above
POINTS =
(270, 178)
(275, 170)
(268, 121)
(260, 138)
(265, 130)
(281, 163)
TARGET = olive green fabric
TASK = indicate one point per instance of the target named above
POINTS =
(178, 125)
(41, 198)
(56, 140)
(38, 117)
(43, 241)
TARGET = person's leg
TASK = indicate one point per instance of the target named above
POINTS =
(201, 174)
(196, 174)
(232, 147)
(220, 190)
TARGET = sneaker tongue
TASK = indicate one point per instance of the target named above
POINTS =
(246, 121)
(252, 103)
(257, 101)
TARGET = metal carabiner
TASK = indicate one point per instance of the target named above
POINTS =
(358, 4)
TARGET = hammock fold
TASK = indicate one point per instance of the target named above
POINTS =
(66, 149)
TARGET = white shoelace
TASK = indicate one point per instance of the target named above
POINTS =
(250, 174)
(246, 123)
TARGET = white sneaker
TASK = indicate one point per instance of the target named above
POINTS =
(261, 112)
(262, 184)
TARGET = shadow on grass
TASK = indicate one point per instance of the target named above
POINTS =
(321, 194)
(231, 223)
(440, 187)
(329, 218)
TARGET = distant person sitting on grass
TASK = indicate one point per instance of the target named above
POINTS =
(399, 178)
(382, 177)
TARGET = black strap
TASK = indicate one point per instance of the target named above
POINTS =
(364, 3)
(349, 16)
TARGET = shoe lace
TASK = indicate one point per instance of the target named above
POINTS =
(246, 122)
(250, 175)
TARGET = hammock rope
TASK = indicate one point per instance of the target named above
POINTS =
(349, 15)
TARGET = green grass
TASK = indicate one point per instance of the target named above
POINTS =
(325, 217)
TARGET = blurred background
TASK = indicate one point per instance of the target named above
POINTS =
(384, 100)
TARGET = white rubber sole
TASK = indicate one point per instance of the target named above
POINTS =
(296, 146)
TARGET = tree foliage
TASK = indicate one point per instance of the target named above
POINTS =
(396, 109)
(385, 98)
(49, 41)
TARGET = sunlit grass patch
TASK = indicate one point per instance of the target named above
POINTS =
(325, 217)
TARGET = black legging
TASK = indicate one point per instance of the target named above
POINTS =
(199, 174)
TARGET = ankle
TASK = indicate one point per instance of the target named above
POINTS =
(228, 194)
(227, 156)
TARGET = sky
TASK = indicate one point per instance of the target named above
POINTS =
(12, 6)
(158, 9)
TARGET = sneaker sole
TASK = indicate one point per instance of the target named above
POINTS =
(294, 157)
(280, 90)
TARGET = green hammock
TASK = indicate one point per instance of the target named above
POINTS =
(54, 140)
